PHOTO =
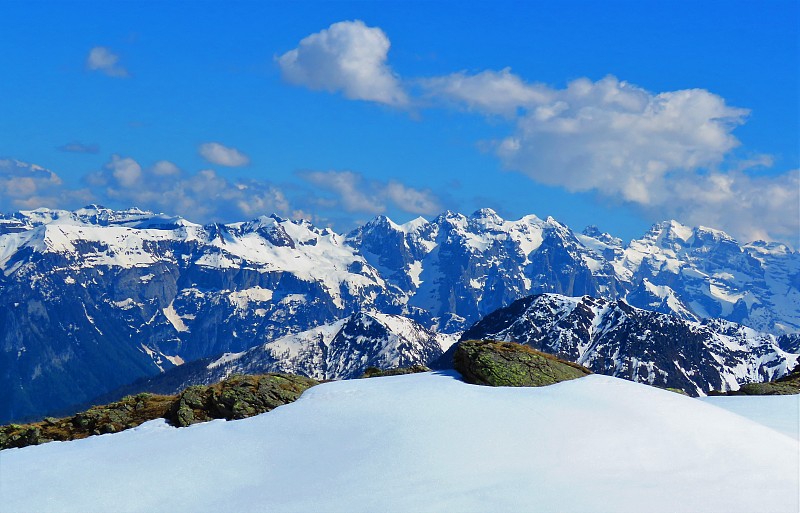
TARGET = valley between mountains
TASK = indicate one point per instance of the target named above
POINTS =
(95, 300)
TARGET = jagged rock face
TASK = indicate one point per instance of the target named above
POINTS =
(506, 364)
(700, 273)
(611, 337)
(786, 385)
(93, 298)
(341, 350)
(456, 269)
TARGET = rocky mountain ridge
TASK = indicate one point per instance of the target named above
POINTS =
(616, 339)
(96, 298)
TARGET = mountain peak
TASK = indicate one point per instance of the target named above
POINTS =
(485, 213)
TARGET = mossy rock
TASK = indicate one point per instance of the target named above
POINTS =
(375, 372)
(677, 391)
(493, 363)
(787, 385)
(237, 397)
(110, 418)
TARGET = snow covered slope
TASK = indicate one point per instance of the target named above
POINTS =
(613, 338)
(340, 350)
(427, 443)
(779, 412)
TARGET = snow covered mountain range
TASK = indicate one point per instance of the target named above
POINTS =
(340, 350)
(613, 338)
(96, 298)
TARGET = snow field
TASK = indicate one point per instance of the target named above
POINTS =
(423, 443)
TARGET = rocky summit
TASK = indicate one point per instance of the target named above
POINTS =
(498, 364)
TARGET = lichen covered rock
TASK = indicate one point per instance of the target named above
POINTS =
(127, 413)
(488, 362)
(237, 397)
(787, 385)
(374, 372)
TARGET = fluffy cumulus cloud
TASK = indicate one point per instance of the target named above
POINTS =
(28, 186)
(347, 57)
(747, 206)
(414, 201)
(105, 61)
(202, 196)
(353, 193)
(619, 139)
(667, 153)
(221, 155)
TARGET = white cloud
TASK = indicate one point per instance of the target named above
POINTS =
(618, 139)
(414, 201)
(349, 57)
(165, 167)
(353, 193)
(492, 92)
(201, 197)
(748, 207)
(105, 61)
(662, 152)
(126, 171)
(221, 155)
(348, 186)
(28, 186)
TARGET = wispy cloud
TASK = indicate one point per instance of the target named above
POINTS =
(221, 155)
(77, 147)
(201, 196)
(105, 61)
(347, 57)
(26, 186)
(489, 92)
(354, 193)
(668, 153)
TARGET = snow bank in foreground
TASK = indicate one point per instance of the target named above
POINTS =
(427, 442)
(780, 412)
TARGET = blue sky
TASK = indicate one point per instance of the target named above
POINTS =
(618, 114)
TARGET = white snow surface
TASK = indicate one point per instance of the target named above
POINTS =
(780, 412)
(425, 443)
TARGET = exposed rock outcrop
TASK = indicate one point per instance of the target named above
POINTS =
(488, 362)
(375, 372)
(237, 397)
(787, 385)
